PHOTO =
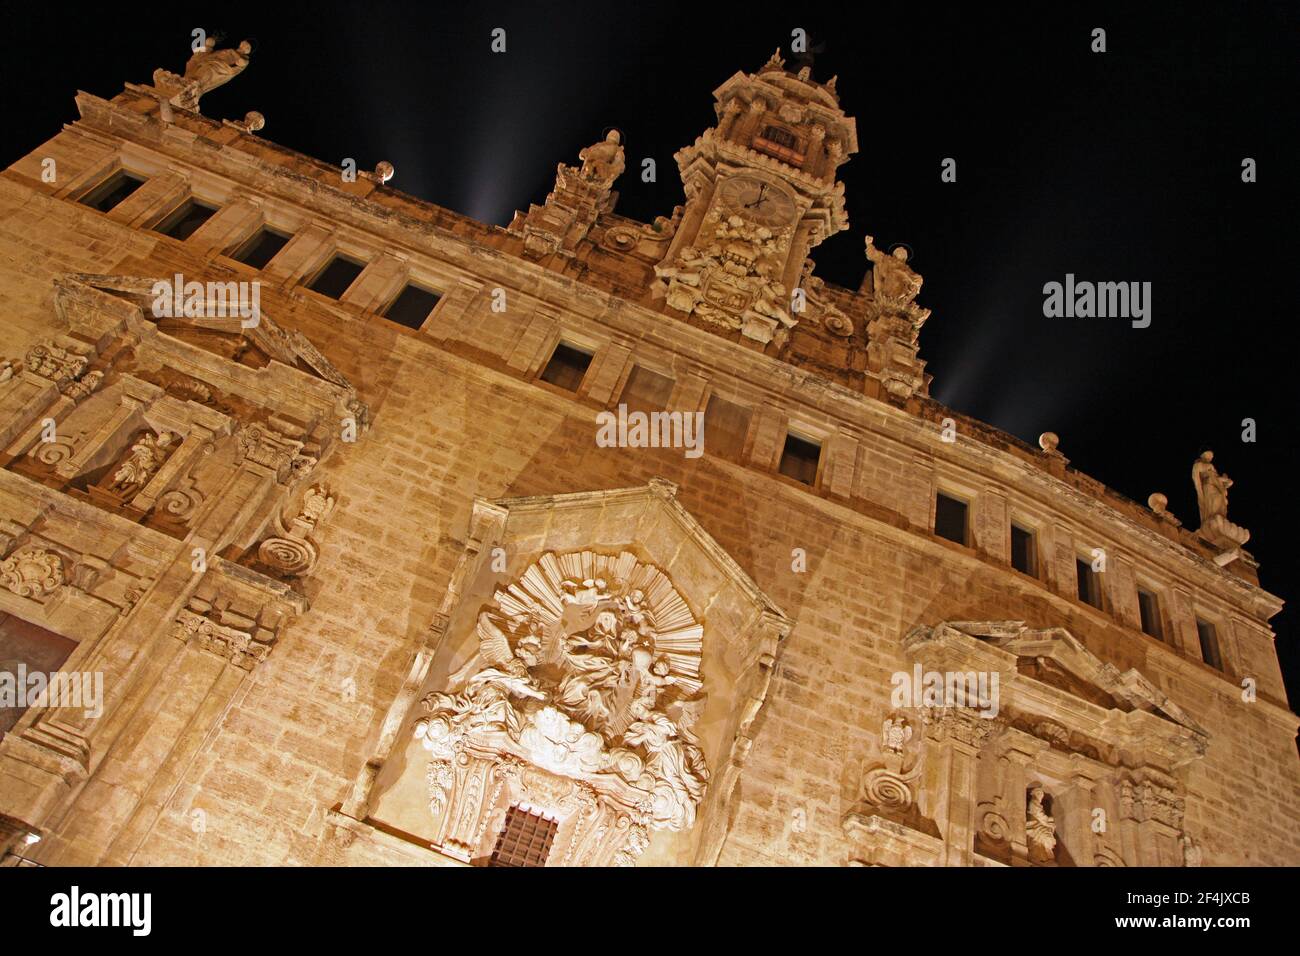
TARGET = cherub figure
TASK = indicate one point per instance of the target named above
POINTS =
(894, 734)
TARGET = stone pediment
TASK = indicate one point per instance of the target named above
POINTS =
(600, 659)
(1048, 673)
(208, 307)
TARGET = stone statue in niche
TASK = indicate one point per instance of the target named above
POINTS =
(209, 67)
(145, 457)
(1191, 851)
(603, 162)
(1040, 828)
(588, 667)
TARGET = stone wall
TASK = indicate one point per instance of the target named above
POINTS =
(215, 765)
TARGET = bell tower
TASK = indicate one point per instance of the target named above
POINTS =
(760, 193)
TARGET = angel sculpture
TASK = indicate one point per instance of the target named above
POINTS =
(494, 647)
(675, 760)
(316, 504)
(895, 734)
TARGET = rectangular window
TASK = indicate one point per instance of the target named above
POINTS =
(1149, 609)
(567, 367)
(525, 839)
(799, 459)
(412, 306)
(337, 277)
(35, 649)
(725, 426)
(1209, 636)
(950, 518)
(260, 248)
(183, 221)
(646, 391)
(1024, 551)
(1089, 583)
(112, 191)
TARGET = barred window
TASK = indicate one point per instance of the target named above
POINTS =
(525, 840)
(782, 137)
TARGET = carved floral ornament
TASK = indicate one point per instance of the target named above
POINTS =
(32, 572)
(588, 668)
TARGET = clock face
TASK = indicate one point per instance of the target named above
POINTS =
(756, 200)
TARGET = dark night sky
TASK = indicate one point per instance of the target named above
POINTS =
(1122, 166)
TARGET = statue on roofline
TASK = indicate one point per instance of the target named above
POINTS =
(209, 67)
(603, 162)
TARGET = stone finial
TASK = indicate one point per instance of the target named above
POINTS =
(384, 171)
(776, 62)
(1159, 504)
(1048, 441)
(253, 121)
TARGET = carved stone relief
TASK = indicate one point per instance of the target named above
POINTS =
(589, 669)
(293, 550)
(732, 277)
(32, 572)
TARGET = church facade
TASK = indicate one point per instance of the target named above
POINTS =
(337, 528)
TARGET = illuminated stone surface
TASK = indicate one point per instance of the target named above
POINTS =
(302, 550)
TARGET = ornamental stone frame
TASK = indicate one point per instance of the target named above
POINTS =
(608, 673)
(1107, 751)
(144, 550)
